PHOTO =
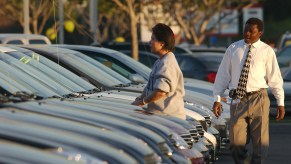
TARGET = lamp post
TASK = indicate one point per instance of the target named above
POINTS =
(93, 19)
(61, 21)
(26, 16)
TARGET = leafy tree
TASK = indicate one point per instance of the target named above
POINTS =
(194, 16)
(133, 8)
(38, 9)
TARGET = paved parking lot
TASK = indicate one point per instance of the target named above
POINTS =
(280, 144)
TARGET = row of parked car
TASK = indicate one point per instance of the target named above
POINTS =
(71, 104)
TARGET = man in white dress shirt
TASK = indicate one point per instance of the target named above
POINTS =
(249, 114)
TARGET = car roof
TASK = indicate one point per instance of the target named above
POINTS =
(24, 37)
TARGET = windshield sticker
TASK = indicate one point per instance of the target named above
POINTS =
(24, 60)
(35, 57)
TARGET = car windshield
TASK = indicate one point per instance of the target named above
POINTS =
(30, 72)
(103, 68)
(144, 57)
(55, 76)
(188, 63)
(284, 57)
(211, 60)
(31, 85)
(144, 70)
(68, 75)
(11, 86)
(115, 60)
(92, 71)
(77, 65)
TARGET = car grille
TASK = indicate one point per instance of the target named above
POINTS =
(188, 139)
(204, 124)
(207, 120)
(200, 130)
(194, 134)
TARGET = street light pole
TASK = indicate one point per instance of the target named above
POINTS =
(93, 19)
(61, 22)
(26, 16)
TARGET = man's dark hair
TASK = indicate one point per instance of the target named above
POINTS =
(256, 21)
(164, 33)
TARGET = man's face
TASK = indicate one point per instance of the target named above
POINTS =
(251, 33)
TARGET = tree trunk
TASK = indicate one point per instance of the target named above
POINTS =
(134, 38)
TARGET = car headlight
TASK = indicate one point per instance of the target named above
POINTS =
(178, 141)
(165, 149)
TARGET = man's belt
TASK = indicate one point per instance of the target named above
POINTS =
(232, 93)
(254, 92)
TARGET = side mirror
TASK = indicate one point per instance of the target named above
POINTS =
(136, 78)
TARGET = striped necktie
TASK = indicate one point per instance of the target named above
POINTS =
(243, 79)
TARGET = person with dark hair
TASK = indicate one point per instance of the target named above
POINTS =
(247, 69)
(164, 91)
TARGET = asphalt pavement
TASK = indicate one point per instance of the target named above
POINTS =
(280, 144)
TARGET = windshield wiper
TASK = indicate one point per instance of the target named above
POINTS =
(91, 91)
(81, 94)
(4, 99)
(19, 96)
(26, 96)
(122, 85)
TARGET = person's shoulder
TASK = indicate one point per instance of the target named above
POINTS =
(236, 44)
(264, 45)
(168, 59)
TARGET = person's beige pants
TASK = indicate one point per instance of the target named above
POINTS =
(249, 121)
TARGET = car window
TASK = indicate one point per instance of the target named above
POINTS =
(14, 42)
(105, 66)
(85, 69)
(110, 62)
(211, 60)
(36, 41)
(284, 57)
(188, 63)
(147, 60)
(285, 52)
(287, 76)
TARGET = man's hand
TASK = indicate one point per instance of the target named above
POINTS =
(280, 113)
(216, 109)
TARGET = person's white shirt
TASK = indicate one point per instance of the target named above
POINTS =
(264, 70)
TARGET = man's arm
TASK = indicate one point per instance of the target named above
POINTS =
(223, 77)
(275, 82)
(221, 82)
